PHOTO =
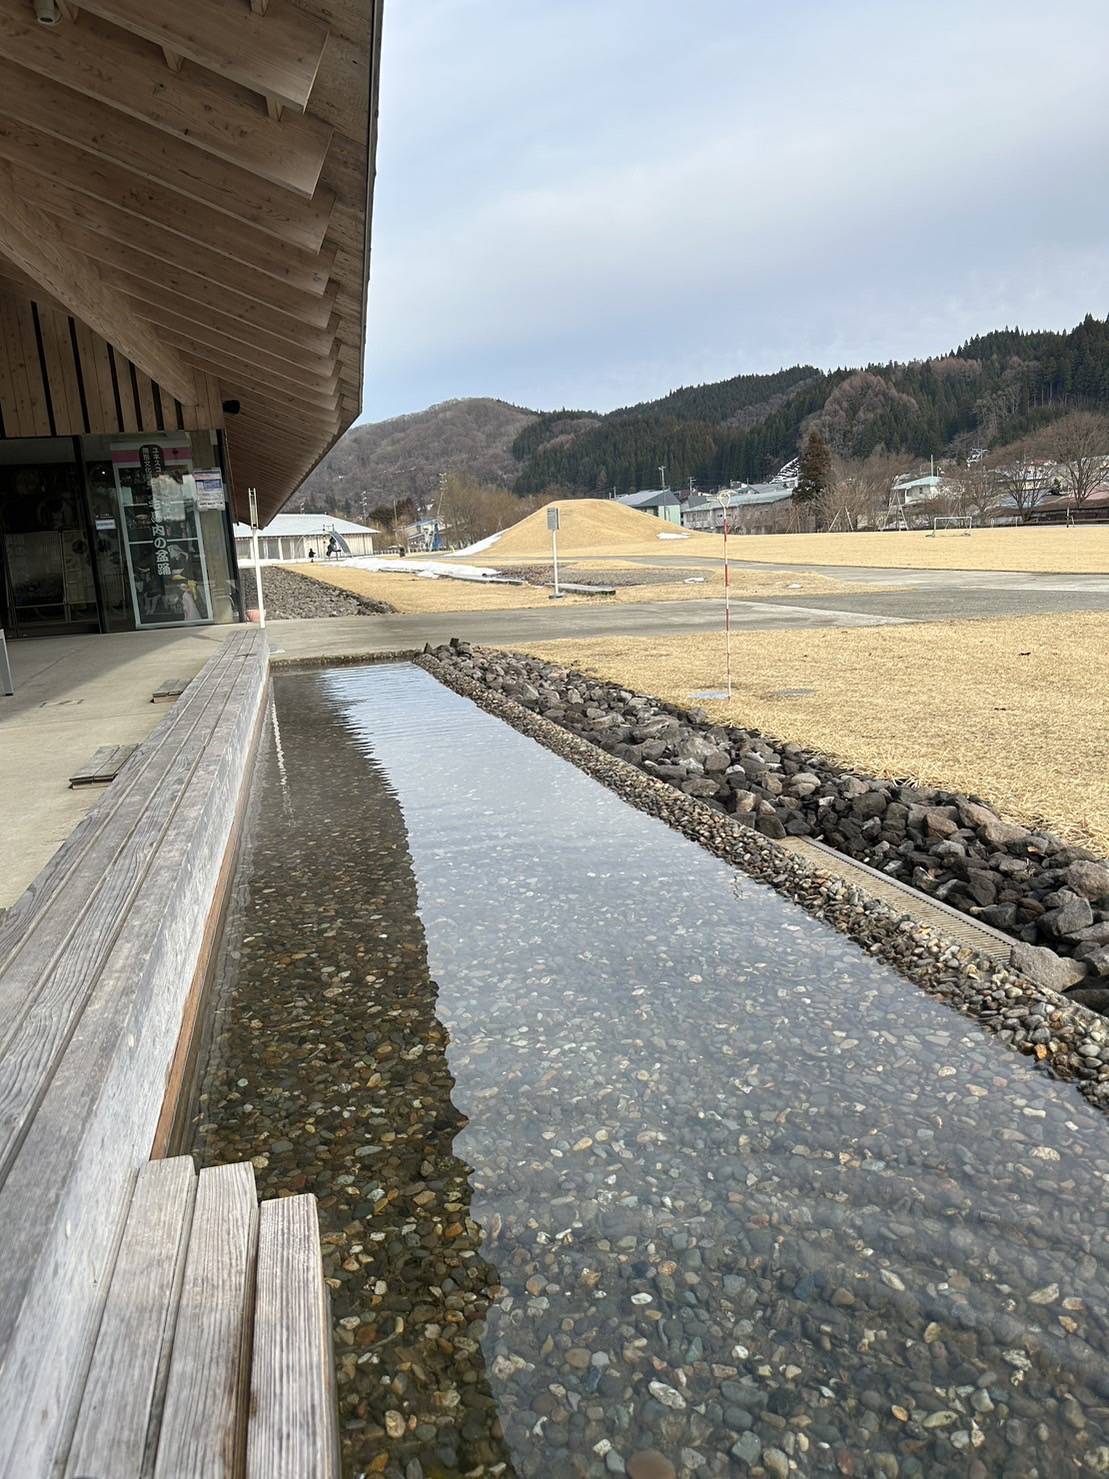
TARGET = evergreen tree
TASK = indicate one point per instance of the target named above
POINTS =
(814, 472)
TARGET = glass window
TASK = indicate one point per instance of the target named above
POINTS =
(46, 563)
(158, 506)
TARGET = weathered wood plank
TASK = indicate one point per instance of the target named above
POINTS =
(95, 1125)
(86, 773)
(204, 1419)
(55, 999)
(116, 843)
(169, 689)
(293, 1431)
(103, 765)
(78, 863)
(121, 1406)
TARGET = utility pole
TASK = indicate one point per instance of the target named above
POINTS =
(662, 476)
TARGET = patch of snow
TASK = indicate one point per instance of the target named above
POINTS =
(393, 565)
(694, 580)
(481, 545)
(671, 536)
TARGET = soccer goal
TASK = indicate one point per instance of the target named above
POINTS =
(952, 524)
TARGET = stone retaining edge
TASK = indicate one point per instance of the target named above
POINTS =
(1066, 1039)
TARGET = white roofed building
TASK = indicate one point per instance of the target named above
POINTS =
(289, 537)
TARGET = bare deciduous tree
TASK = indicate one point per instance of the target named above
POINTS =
(862, 487)
(472, 510)
(1020, 477)
(1079, 442)
(975, 490)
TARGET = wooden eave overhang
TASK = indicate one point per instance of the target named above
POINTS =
(193, 183)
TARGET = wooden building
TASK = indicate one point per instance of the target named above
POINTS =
(185, 193)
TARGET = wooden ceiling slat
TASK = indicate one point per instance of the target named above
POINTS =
(167, 161)
(28, 239)
(343, 88)
(284, 396)
(277, 55)
(159, 306)
(320, 380)
(236, 290)
(117, 198)
(124, 71)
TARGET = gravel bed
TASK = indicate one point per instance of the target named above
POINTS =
(1068, 1039)
(291, 596)
(590, 575)
(1051, 898)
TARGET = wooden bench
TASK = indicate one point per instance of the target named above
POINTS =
(101, 965)
(213, 1355)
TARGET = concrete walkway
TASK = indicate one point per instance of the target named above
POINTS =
(73, 694)
(346, 635)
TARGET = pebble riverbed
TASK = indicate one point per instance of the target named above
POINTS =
(625, 1163)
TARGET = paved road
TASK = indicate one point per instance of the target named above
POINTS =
(925, 595)
(1022, 580)
(354, 634)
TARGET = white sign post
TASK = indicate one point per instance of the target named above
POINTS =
(725, 500)
(552, 525)
(252, 495)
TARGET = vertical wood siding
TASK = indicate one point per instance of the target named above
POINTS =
(58, 378)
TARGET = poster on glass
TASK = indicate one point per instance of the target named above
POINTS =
(163, 539)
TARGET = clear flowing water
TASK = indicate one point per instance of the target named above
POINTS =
(626, 1164)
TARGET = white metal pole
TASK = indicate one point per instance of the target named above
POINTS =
(727, 601)
(253, 496)
(5, 666)
(554, 554)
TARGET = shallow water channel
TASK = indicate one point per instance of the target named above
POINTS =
(624, 1163)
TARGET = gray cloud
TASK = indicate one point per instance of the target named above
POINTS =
(589, 204)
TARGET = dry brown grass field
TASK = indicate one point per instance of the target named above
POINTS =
(1016, 711)
(594, 527)
(413, 594)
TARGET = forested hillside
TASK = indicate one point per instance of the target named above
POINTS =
(402, 458)
(993, 389)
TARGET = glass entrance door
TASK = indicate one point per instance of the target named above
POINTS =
(162, 536)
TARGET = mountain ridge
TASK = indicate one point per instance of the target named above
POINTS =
(991, 389)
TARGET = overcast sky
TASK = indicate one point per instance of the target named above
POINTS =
(587, 203)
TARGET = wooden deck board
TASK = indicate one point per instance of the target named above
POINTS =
(293, 1432)
(70, 867)
(121, 1407)
(49, 992)
(103, 766)
(203, 1421)
(75, 1158)
(169, 689)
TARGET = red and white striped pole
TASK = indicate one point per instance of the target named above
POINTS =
(724, 501)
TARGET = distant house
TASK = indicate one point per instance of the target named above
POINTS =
(660, 502)
(291, 536)
(1061, 508)
(919, 490)
(705, 510)
(426, 534)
